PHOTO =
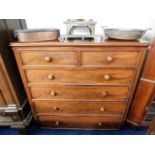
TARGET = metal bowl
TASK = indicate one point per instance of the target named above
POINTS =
(124, 34)
(33, 35)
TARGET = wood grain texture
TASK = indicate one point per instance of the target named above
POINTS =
(11, 87)
(105, 43)
(49, 58)
(2, 101)
(142, 99)
(83, 80)
(5, 89)
(120, 57)
(144, 93)
(80, 122)
(79, 108)
(149, 68)
(87, 76)
(91, 93)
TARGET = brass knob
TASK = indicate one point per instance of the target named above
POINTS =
(53, 93)
(102, 109)
(55, 108)
(109, 58)
(100, 123)
(107, 77)
(57, 123)
(48, 59)
(105, 94)
(50, 77)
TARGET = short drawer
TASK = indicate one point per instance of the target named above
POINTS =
(48, 58)
(81, 93)
(79, 108)
(80, 76)
(111, 57)
(80, 122)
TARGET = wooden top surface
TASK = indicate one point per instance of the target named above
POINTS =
(103, 43)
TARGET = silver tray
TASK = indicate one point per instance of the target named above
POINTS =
(124, 34)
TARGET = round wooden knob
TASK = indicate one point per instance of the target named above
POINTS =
(55, 108)
(48, 59)
(105, 94)
(109, 58)
(102, 109)
(100, 123)
(57, 123)
(107, 77)
(53, 93)
(50, 77)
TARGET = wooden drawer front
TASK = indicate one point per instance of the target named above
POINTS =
(79, 108)
(80, 122)
(81, 93)
(112, 58)
(49, 58)
(81, 76)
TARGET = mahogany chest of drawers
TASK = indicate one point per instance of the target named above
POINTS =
(80, 85)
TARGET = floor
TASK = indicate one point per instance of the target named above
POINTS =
(34, 130)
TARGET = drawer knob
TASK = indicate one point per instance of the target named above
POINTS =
(109, 58)
(56, 108)
(100, 124)
(57, 123)
(105, 94)
(102, 109)
(53, 93)
(107, 77)
(48, 59)
(50, 77)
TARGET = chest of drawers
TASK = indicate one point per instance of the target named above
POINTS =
(80, 85)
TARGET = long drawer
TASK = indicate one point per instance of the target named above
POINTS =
(80, 76)
(109, 122)
(79, 108)
(107, 93)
